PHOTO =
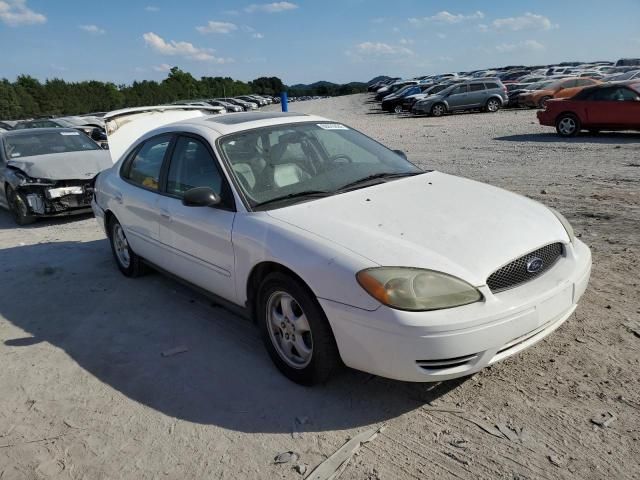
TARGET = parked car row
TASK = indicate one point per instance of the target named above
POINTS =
(491, 89)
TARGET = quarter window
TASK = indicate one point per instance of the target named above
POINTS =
(192, 166)
(146, 164)
(491, 85)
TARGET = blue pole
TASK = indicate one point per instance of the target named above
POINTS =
(283, 102)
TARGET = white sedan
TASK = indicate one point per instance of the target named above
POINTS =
(339, 248)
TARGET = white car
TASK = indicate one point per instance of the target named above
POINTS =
(341, 249)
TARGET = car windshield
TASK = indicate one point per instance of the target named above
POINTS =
(284, 161)
(44, 143)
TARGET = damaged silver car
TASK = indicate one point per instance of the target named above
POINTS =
(48, 172)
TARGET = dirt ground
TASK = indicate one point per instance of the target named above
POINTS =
(86, 394)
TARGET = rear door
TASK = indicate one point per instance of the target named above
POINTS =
(198, 238)
(477, 95)
(137, 198)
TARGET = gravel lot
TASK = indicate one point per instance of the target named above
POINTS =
(85, 392)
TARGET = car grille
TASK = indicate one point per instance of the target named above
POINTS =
(515, 273)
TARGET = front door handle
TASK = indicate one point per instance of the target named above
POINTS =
(118, 197)
(165, 214)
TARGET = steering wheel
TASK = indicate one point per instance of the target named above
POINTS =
(340, 158)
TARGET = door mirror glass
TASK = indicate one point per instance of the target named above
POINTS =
(200, 197)
(401, 153)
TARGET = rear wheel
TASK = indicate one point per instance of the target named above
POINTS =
(438, 110)
(493, 105)
(567, 125)
(18, 207)
(543, 101)
(295, 330)
(128, 262)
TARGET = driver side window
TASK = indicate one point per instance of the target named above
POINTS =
(192, 166)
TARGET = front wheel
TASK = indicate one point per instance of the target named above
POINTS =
(397, 109)
(130, 264)
(493, 105)
(438, 110)
(296, 331)
(18, 208)
(567, 125)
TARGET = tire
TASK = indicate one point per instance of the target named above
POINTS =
(438, 110)
(18, 208)
(492, 105)
(543, 101)
(567, 125)
(397, 109)
(288, 312)
(130, 264)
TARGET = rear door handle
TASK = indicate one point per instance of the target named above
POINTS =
(165, 214)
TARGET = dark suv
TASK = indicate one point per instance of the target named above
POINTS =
(487, 94)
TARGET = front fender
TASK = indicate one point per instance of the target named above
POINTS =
(328, 269)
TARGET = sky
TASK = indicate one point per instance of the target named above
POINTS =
(302, 41)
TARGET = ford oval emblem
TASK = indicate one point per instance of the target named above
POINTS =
(534, 264)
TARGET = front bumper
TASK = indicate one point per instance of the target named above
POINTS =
(451, 343)
(421, 109)
(545, 118)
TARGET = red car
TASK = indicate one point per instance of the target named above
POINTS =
(603, 107)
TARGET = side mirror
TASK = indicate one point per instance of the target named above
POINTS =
(105, 146)
(401, 154)
(201, 197)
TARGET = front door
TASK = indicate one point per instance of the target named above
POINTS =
(198, 238)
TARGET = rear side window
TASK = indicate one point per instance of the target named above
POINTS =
(145, 166)
(459, 89)
(491, 85)
(192, 166)
(476, 87)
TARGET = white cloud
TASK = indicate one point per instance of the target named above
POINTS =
(525, 46)
(16, 13)
(182, 49)
(151, 8)
(528, 21)
(441, 35)
(379, 48)
(274, 7)
(163, 67)
(217, 27)
(405, 41)
(257, 36)
(92, 29)
(447, 18)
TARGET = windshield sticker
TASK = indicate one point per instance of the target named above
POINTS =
(332, 126)
(69, 133)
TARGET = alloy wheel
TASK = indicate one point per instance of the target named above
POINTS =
(121, 246)
(289, 330)
(567, 126)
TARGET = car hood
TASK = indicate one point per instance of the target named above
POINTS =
(64, 166)
(434, 220)
(416, 96)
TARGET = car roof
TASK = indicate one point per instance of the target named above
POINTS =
(237, 122)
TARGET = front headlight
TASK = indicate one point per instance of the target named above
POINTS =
(416, 289)
(565, 223)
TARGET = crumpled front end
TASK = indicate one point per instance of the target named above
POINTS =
(45, 198)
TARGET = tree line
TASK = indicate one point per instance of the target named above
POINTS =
(27, 97)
